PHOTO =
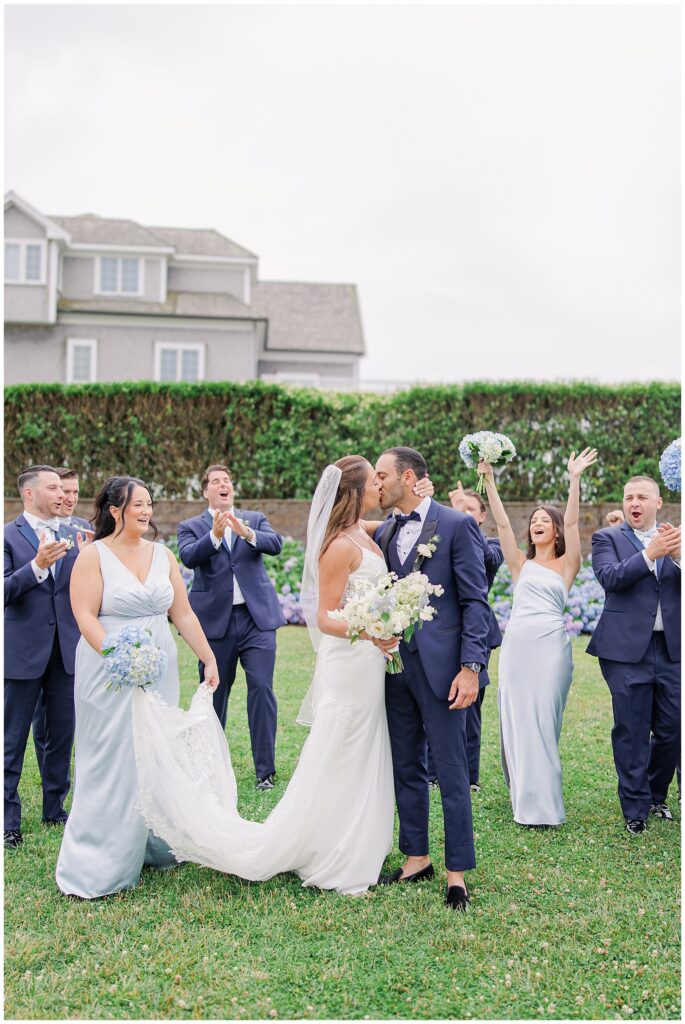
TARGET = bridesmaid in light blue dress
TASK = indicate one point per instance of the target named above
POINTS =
(536, 662)
(119, 580)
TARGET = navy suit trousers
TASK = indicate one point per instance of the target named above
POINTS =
(57, 688)
(646, 733)
(414, 713)
(256, 650)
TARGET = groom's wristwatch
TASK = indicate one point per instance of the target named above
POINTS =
(475, 666)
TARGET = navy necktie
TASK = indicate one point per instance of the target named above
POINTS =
(403, 520)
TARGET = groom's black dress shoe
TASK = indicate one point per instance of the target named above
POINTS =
(13, 838)
(457, 898)
(56, 821)
(419, 876)
(636, 826)
(268, 782)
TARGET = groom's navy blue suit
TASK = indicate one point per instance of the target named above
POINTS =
(40, 646)
(246, 631)
(417, 698)
(641, 665)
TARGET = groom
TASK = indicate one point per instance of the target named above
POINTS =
(442, 662)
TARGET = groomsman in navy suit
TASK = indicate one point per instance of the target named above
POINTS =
(442, 663)
(67, 518)
(637, 640)
(472, 504)
(40, 643)
(236, 604)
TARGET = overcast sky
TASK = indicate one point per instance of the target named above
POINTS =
(501, 183)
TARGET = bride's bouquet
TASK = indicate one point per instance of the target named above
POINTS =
(494, 448)
(132, 659)
(388, 607)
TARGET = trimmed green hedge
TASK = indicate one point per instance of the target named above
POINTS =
(277, 439)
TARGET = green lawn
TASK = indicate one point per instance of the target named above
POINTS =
(581, 922)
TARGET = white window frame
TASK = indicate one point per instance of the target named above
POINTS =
(23, 243)
(82, 342)
(179, 346)
(119, 257)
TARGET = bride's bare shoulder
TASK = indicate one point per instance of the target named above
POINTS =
(341, 551)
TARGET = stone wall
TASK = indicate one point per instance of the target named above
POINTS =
(290, 517)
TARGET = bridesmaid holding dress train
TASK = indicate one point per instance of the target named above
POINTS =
(536, 661)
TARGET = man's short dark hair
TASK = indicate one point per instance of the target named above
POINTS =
(27, 476)
(217, 468)
(64, 473)
(649, 479)
(409, 458)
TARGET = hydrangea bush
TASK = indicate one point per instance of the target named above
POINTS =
(582, 611)
(670, 466)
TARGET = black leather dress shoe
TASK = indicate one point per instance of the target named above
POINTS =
(419, 876)
(457, 898)
(661, 811)
(268, 782)
(56, 821)
(13, 838)
(636, 826)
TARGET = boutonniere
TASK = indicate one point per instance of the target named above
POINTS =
(69, 541)
(424, 551)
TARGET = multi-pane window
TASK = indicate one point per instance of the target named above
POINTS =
(81, 360)
(119, 276)
(179, 362)
(12, 251)
(24, 262)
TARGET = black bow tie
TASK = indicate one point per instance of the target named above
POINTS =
(403, 520)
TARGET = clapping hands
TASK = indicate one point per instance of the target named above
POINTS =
(666, 541)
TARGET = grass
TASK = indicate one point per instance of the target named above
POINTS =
(582, 922)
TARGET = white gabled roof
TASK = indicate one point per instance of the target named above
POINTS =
(52, 229)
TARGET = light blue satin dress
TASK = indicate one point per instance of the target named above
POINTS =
(535, 671)
(106, 841)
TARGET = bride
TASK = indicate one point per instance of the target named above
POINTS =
(334, 823)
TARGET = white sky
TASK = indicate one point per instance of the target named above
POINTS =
(502, 183)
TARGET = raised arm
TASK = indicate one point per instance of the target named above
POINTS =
(576, 467)
(513, 555)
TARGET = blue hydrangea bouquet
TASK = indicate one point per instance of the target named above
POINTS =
(670, 465)
(132, 659)
(494, 448)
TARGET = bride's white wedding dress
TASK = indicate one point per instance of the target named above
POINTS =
(334, 824)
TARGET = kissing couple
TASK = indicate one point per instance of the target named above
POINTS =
(334, 824)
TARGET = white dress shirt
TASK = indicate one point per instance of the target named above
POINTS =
(40, 574)
(408, 535)
(644, 536)
(228, 537)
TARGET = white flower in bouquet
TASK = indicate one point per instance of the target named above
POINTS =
(492, 447)
(387, 608)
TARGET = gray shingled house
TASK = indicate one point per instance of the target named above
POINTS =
(90, 298)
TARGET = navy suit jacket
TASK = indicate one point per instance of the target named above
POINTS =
(459, 631)
(33, 610)
(632, 594)
(211, 594)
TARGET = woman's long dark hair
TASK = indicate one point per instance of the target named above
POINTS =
(347, 508)
(117, 492)
(558, 524)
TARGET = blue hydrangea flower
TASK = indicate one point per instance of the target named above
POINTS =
(670, 466)
(132, 658)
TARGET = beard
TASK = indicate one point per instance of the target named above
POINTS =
(390, 498)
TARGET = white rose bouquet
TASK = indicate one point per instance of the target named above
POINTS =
(389, 607)
(494, 448)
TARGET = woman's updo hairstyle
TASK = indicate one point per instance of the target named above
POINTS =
(115, 492)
